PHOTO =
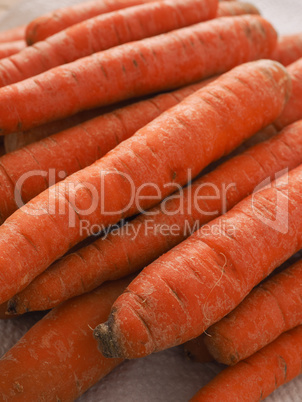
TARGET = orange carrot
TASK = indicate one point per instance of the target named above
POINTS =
(15, 141)
(288, 49)
(104, 32)
(271, 309)
(257, 377)
(261, 136)
(194, 285)
(142, 170)
(10, 48)
(57, 359)
(13, 34)
(293, 110)
(196, 349)
(132, 70)
(55, 21)
(232, 8)
(146, 237)
(63, 154)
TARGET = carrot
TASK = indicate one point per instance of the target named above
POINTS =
(232, 8)
(132, 70)
(196, 348)
(57, 359)
(142, 170)
(293, 110)
(288, 49)
(58, 20)
(10, 48)
(194, 285)
(271, 309)
(63, 154)
(15, 141)
(257, 377)
(146, 238)
(13, 34)
(88, 37)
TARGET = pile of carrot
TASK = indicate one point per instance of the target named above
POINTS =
(150, 195)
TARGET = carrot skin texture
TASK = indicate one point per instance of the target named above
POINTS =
(58, 20)
(204, 278)
(271, 309)
(13, 34)
(104, 32)
(160, 153)
(258, 376)
(293, 110)
(232, 8)
(10, 48)
(117, 256)
(262, 135)
(288, 49)
(59, 352)
(62, 154)
(134, 70)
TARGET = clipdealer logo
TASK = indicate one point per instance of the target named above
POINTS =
(279, 219)
(84, 203)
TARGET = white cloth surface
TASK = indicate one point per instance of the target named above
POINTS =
(167, 376)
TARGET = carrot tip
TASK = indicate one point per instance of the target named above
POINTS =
(106, 342)
(11, 307)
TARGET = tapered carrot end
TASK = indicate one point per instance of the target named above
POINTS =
(106, 341)
(15, 306)
(12, 307)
